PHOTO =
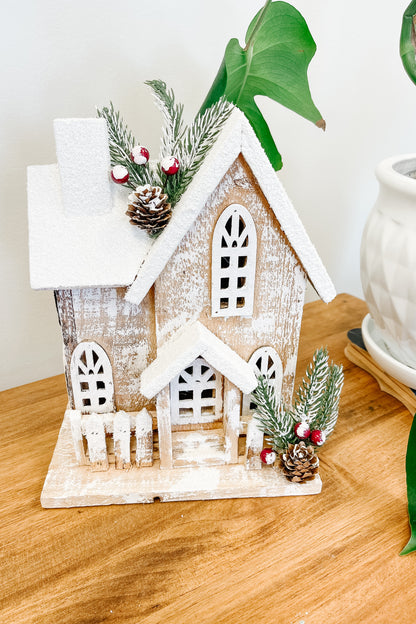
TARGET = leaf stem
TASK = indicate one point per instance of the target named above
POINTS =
(258, 24)
(249, 49)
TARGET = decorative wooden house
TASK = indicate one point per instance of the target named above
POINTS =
(163, 337)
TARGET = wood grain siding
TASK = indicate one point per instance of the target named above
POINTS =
(183, 290)
(125, 331)
(66, 317)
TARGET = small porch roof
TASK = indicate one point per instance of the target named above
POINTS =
(190, 342)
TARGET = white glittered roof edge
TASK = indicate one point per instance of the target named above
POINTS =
(236, 137)
(191, 341)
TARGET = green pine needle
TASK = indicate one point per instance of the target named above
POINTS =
(172, 112)
(327, 415)
(197, 140)
(274, 419)
(309, 395)
(317, 403)
(189, 144)
(121, 142)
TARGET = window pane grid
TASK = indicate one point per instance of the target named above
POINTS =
(264, 361)
(205, 385)
(234, 249)
(91, 378)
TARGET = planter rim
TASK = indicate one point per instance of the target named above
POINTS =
(392, 172)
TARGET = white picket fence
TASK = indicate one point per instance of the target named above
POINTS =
(99, 437)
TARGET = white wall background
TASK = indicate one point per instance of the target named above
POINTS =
(60, 59)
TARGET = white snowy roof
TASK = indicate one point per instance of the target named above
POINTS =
(191, 341)
(79, 234)
(105, 250)
(71, 252)
(236, 137)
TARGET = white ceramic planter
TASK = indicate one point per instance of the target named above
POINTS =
(388, 259)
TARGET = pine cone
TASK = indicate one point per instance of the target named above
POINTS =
(149, 209)
(299, 463)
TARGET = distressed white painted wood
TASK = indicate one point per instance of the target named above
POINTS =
(198, 448)
(164, 428)
(254, 446)
(144, 439)
(264, 361)
(234, 249)
(75, 419)
(97, 448)
(121, 435)
(92, 379)
(232, 408)
(196, 394)
(70, 485)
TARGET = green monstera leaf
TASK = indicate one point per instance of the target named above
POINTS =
(411, 488)
(274, 63)
(408, 41)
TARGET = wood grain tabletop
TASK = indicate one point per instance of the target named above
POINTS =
(325, 559)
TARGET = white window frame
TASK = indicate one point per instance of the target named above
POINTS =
(196, 409)
(92, 379)
(234, 255)
(265, 361)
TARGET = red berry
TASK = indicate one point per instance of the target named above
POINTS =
(302, 430)
(119, 174)
(268, 456)
(170, 165)
(318, 437)
(139, 155)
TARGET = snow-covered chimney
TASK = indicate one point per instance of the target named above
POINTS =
(84, 164)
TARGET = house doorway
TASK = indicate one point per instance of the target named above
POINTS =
(196, 396)
(196, 400)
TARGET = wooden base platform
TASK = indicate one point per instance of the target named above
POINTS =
(69, 485)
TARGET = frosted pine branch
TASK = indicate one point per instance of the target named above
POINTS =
(120, 137)
(202, 134)
(274, 419)
(317, 403)
(309, 395)
(172, 112)
(327, 416)
(194, 145)
(189, 145)
(121, 142)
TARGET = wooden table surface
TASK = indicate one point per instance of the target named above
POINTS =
(331, 558)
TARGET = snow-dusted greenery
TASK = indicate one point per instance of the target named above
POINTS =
(316, 403)
(189, 144)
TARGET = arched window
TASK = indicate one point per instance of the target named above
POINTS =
(92, 379)
(266, 362)
(196, 394)
(234, 248)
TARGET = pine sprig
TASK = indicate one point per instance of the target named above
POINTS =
(189, 144)
(121, 142)
(309, 395)
(274, 419)
(327, 416)
(317, 398)
(172, 113)
(196, 142)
